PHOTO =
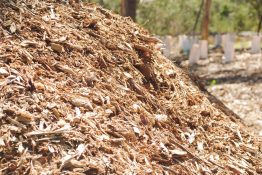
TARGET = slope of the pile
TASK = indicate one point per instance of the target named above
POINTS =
(84, 91)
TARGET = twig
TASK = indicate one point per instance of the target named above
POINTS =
(16, 123)
(37, 133)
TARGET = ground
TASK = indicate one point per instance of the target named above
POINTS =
(237, 84)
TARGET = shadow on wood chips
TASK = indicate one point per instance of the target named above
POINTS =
(85, 91)
(250, 79)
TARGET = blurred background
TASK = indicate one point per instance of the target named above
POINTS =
(174, 17)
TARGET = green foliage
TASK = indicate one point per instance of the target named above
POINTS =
(168, 16)
(113, 5)
(173, 17)
(232, 16)
(212, 82)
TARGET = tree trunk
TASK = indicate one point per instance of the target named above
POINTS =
(206, 20)
(198, 16)
(259, 25)
(128, 8)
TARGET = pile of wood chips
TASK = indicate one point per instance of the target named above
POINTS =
(85, 91)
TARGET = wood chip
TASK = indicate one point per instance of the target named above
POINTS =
(57, 47)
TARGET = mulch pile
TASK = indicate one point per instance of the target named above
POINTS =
(85, 91)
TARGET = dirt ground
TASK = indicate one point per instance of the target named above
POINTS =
(237, 84)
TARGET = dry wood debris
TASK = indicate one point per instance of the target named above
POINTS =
(85, 91)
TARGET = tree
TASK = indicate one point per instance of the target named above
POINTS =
(173, 17)
(259, 25)
(128, 8)
(198, 16)
(256, 4)
(168, 17)
(206, 20)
